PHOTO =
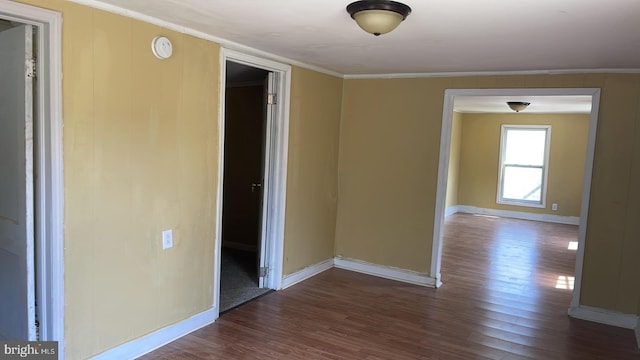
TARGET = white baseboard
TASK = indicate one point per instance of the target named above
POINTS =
(627, 321)
(239, 246)
(304, 274)
(451, 210)
(638, 333)
(142, 345)
(387, 272)
(570, 220)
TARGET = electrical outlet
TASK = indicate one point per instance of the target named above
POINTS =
(554, 207)
(167, 239)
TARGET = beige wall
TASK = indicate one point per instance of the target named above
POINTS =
(140, 156)
(389, 148)
(479, 164)
(140, 144)
(140, 153)
(314, 134)
(388, 171)
(453, 175)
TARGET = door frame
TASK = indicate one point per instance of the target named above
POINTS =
(49, 204)
(443, 166)
(275, 182)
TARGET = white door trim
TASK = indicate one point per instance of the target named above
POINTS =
(49, 205)
(443, 166)
(637, 331)
(275, 187)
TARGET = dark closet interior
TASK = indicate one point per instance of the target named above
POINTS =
(245, 118)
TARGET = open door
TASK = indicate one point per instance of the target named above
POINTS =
(271, 101)
(17, 288)
(271, 145)
(247, 117)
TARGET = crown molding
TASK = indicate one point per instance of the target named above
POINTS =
(228, 44)
(490, 73)
(232, 45)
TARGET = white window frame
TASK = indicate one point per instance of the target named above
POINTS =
(545, 166)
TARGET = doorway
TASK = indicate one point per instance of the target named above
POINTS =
(251, 192)
(32, 195)
(443, 167)
(246, 106)
(18, 313)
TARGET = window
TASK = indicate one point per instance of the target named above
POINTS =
(524, 157)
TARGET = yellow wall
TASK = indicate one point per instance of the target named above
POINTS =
(140, 156)
(453, 175)
(388, 171)
(479, 165)
(314, 134)
(389, 149)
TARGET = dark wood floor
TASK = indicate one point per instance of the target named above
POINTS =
(505, 296)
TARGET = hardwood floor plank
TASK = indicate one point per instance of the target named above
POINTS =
(507, 288)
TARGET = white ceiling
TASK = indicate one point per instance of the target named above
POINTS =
(539, 104)
(438, 36)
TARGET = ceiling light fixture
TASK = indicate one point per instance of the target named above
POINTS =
(378, 16)
(518, 106)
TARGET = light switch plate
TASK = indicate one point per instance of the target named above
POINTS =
(167, 239)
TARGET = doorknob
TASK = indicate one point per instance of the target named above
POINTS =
(255, 186)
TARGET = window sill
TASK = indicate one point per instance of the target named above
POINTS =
(521, 203)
